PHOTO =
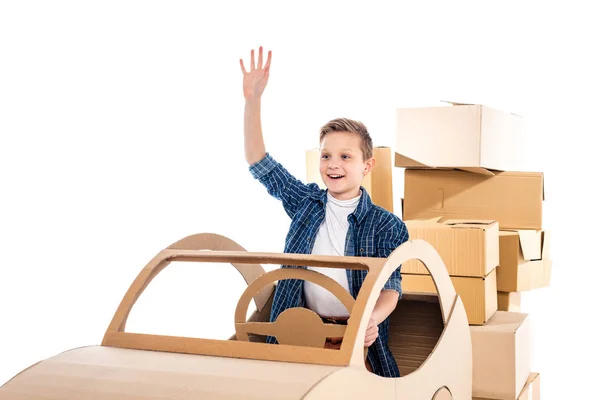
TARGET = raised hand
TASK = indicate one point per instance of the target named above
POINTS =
(256, 80)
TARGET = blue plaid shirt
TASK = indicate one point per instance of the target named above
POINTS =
(373, 232)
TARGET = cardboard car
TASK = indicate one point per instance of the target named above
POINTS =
(429, 336)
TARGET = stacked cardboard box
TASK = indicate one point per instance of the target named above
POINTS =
(514, 199)
(470, 251)
(463, 172)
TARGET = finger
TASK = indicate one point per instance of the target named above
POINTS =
(268, 64)
(371, 337)
(372, 333)
(242, 66)
(252, 67)
(260, 57)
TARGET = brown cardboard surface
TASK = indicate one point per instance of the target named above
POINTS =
(130, 365)
(472, 137)
(509, 301)
(514, 199)
(101, 372)
(378, 183)
(479, 295)
(468, 247)
(524, 264)
(501, 356)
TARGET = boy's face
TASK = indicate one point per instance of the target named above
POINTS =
(342, 165)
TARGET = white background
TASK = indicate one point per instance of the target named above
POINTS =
(121, 132)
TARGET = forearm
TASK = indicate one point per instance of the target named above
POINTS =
(386, 304)
(254, 144)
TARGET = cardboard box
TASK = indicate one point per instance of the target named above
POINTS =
(479, 295)
(514, 199)
(525, 262)
(501, 356)
(472, 137)
(467, 247)
(378, 183)
(509, 301)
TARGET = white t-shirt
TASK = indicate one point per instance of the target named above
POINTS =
(331, 241)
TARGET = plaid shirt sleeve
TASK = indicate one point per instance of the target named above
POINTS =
(391, 234)
(281, 184)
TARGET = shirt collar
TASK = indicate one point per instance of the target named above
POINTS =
(364, 206)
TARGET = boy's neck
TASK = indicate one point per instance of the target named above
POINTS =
(346, 196)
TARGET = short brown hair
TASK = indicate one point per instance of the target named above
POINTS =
(349, 125)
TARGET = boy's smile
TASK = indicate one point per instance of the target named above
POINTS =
(342, 166)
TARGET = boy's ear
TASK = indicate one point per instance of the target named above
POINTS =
(369, 166)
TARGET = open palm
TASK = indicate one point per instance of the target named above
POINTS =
(256, 80)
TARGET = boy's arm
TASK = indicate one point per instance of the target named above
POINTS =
(386, 304)
(254, 145)
(279, 182)
(392, 234)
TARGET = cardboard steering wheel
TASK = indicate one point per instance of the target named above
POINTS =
(295, 326)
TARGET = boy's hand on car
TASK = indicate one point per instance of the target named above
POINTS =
(256, 79)
(372, 332)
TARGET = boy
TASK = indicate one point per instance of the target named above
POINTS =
(341, 220)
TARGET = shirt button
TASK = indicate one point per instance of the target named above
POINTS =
(308, 238)
(361, 250)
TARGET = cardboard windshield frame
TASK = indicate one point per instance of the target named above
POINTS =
(351, 351)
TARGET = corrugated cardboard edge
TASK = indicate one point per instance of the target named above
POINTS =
(471, 223)
(480, 224)
(455, 103)
(402, 161)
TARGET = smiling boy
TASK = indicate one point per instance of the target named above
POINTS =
(341, 220)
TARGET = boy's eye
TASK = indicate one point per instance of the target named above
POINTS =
(345, 156)
(324, 156)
